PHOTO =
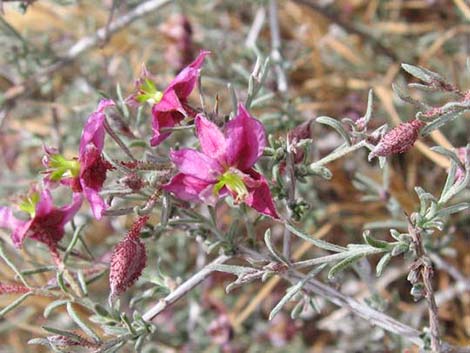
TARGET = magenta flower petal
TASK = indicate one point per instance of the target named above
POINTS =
(45, 204)
(47, 224)
(93, 131)
(170, 102)
(170, 110)
(187, 187)
(161, 120)
(259, 196)
(97, 204)
(71, 209)
(19, 234)
(93, 168)
(49, 221)
(8, 220)
(184, 83)
(18, 227)
(225, 165)
(196, 164)
(246, 140)
(212, 140)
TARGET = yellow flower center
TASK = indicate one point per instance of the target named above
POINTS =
(29, 204)
(148, 93)
(234, 183)
(61, 166)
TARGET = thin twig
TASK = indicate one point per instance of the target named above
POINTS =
(290, 172)
(108, 23)
(83, 45)
(375, 317)
(315, 287)
(276, 47)
(427, 274)
(423, 263)
(256, 27)
(183, 289)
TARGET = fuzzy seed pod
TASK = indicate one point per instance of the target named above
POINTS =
(6, 288)
(128, 260)
(127, 263)
(398, 140)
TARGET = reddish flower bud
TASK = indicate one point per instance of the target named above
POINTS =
(13, 288)
(128, 260)
(65, 341)
(398, 140)
(300, 132)
(133, 181)
(462, 154)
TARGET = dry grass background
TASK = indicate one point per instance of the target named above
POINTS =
(331, 70)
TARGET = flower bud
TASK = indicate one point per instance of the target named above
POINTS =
(462, 155)
(128, 260)
(65, 341)
(398, 140)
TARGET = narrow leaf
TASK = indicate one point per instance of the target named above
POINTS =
(342, 265)
(453, 209)
(73, 242)
(58, 331)
(40, 341)
(14, 304)
(297, 310)
(383, 262)
(421, 73)
(236, 270)
(52, 306)
(290, 293)
(317, 242)
(450, 154)
(10, 264)
(370, 104)
(380, 244)
(335, 124)
(85, 328)
(441, 121)
(272, 249)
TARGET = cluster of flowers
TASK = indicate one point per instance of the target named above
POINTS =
(223, 167)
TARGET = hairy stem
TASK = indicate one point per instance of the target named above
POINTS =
(118, 140)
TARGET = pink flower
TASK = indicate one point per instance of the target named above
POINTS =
(88, 173)
(46, 222)
(171, 107)
(225, 165)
